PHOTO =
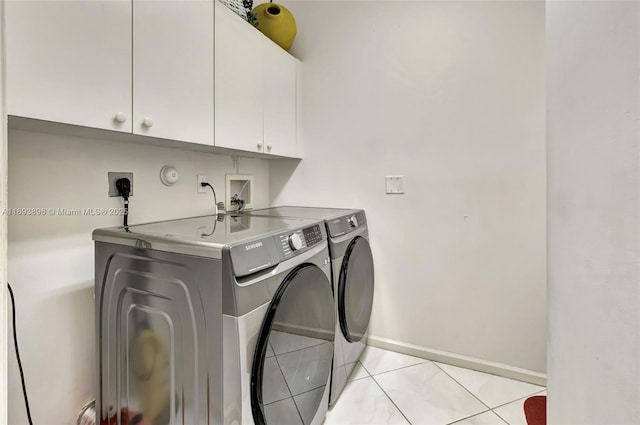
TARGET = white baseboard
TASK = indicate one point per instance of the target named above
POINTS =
(460, 360)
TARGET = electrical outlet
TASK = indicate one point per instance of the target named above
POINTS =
(113, 178)
(202, 179)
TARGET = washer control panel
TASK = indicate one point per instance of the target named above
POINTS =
(312, 235)
(295, 242)
(300, 239)
(260, 254)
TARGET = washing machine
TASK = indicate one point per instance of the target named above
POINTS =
(352, 279)
(214, 320)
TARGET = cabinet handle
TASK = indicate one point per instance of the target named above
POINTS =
(120, 117)
(259, 145)
(148, 122)
(269, 148)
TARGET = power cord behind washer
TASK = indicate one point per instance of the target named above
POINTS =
(15, 342)
(124, 189)
(215, 200)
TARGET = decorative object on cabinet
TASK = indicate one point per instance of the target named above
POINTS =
(276, 22)
(242, 8)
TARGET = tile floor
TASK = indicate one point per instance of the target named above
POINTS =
(392, 388)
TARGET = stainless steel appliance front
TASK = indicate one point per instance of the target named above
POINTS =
(353, 281)
(237, 327)
(158, 328)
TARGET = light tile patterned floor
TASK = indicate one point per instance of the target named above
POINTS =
(392, 388)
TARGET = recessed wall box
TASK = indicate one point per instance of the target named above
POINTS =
(239, 192)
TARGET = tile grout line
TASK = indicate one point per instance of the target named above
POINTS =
(400, 368)
(465, 388)
(490, 408)
(417, 364)
(365, 369)
(362, 377)
(498, 415)
(381, 389)
(423, 361)
(287, 384)
(522, 398)
(296, 349)
(468, 417)
(391, 400)
(519, 398)
(293, 396)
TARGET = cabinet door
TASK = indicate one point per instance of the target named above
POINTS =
(238, 119)
(173, 69)
(70, 61)
(279, 100)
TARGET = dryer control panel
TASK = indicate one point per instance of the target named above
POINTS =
(347, 223)
(256, 255)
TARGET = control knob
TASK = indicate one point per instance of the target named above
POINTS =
(295, 242)
(353, 221)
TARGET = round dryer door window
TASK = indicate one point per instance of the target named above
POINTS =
(355, 290)
(292, 362)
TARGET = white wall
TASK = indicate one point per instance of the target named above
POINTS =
(3, 228)
(593, 107)
(51, 258)
(452, 96)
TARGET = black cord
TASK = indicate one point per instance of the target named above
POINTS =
(126, 213)
(15, 341)
(215, 224)
(215, 200)
(124, 189)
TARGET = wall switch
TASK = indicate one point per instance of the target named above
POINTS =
(202, 179)
(394, 184)
(113, 178)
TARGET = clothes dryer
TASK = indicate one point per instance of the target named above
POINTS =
(201, 321)
(352, 279)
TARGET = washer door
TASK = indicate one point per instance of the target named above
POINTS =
(355, 290)
(292, 361)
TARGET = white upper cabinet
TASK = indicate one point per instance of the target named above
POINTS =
(256, 90)
(182, 70)
(238, 96)
(279, 102)
(70, 62)
(173, 69)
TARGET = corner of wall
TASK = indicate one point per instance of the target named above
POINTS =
(3, 226)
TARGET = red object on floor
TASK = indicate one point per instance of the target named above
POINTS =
(535, 410)
(127, 417)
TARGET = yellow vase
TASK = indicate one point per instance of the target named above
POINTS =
(276, 22)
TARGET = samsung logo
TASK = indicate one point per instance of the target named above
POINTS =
(253, 246)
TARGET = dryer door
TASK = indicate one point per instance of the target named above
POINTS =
(355, 289)
(292, 362)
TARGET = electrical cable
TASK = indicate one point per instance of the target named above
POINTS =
(215, 224)
(15, 341)
(124, 189)
(126, 213)
(215, 200)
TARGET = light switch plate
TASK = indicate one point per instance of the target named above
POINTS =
(394, 184)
